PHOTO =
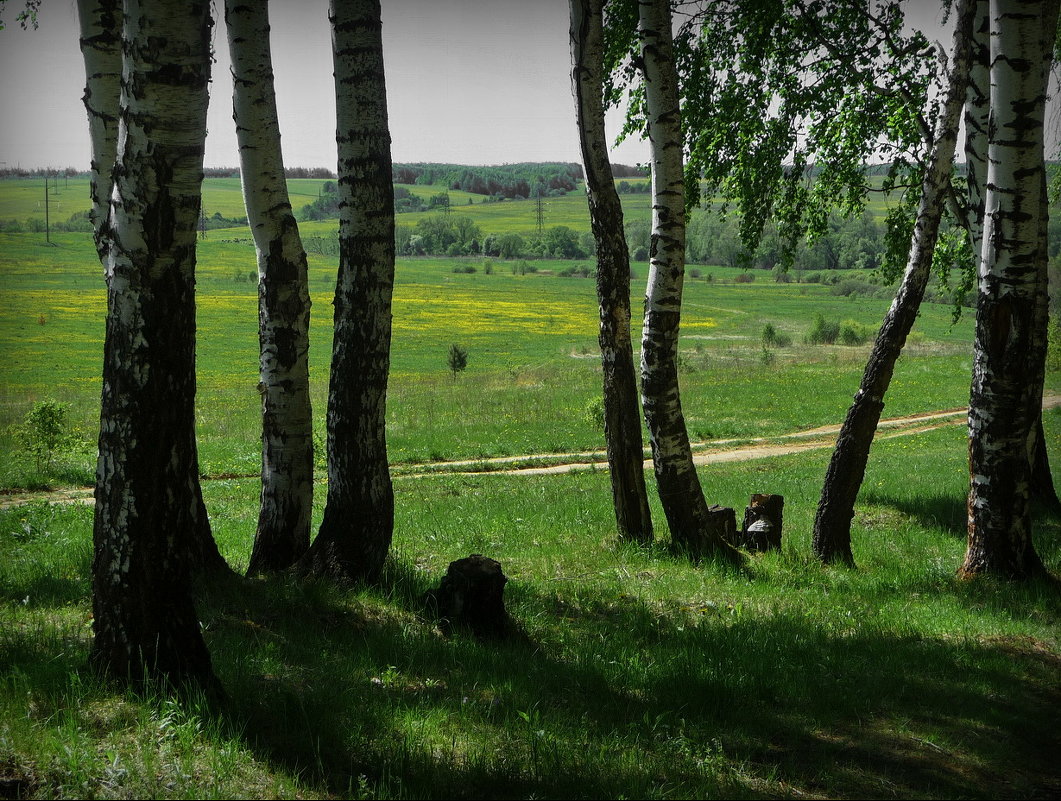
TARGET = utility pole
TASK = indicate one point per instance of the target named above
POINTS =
(47, 220)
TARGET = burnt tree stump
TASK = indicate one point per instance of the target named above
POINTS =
(470, 596)
(762, 523)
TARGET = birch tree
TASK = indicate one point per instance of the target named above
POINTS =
(356, 531)
(283, 298)
(693, 525)
(149, 512)
(847, 466)
(622, 416)
(1006, 394)
(101, 47)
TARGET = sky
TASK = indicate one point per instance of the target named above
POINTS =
(468, 82)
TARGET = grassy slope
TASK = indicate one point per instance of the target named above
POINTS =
(639, 674)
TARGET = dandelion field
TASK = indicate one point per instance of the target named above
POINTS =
(635, 673)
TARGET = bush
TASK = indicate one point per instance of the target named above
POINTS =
(823, 332)
(464, 269)
(812, 278)
(744, 278)
(594, 412)
(695, 273)
(488, 266)
(778, 339)
(44, 432)
(853, 333)
(456, 359)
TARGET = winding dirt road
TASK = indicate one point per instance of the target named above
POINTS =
(710, 452)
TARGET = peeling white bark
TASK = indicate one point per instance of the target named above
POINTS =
(101, 26)
(283, 297)
(358, 522)
(622, 419)
(691, 523)
(1006, 394)
(149, 518)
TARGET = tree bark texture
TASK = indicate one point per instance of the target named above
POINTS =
(691, 523)
(283, 298)
(149, 516)
(1006, 394)
(356, 531)
(101, 47)
(622, 415)
(977, 112)
(847, 466)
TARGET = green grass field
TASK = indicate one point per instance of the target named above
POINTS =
(635, 673)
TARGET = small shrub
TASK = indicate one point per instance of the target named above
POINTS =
(488, 267)
(594, 412)
(44, 432)
(1053, 353)
(695, 273)
(744, 278)
(456, 359)
(823, 332)
(464, 269)
(853, 333)
(772, 337)
(766, 358)
(812, 278)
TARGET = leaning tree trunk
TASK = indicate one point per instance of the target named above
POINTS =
(358, 523)
(1006, 396)
(101, 47)
(283, 298)
(622, 417)
(149, 511)
(693, 525)
(847, 467)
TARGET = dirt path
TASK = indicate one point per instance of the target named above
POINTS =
(709, 452)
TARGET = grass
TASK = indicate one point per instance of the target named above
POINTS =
(634, 673)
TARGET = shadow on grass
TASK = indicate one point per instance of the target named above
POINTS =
(613, 695)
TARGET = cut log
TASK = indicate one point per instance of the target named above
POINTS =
(762, 523)
(471, 596)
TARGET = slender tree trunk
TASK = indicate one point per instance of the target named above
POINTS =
(693, 525)
(283, 298)
(356, 531)
(101, 47)
(622, 417)
(847, 467)
(149, 514)
(1006, 397)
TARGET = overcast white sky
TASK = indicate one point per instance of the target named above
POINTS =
(468, 82)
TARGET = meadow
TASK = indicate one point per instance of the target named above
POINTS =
(633, 672)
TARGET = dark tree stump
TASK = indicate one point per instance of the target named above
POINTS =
(470, 596)
(762, 523)
(721, 523)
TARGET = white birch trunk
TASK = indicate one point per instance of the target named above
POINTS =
(1006, 395)
(101, 47)
(847, 465)
(693, 525)
(283, 297)
(622, 419)
(356, 531)
(977, 112)
(149, 515)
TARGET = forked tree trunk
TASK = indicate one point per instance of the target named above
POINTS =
(101, 48)
(149, 515)
(692, 524)
(1006, 397)
(847, 467)
(283, 298)
(622, 416)
(356, 531)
